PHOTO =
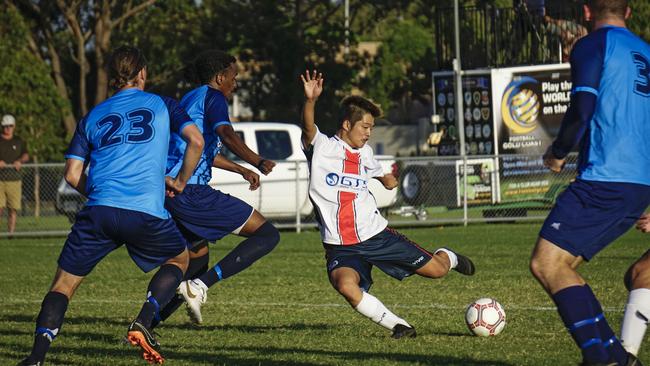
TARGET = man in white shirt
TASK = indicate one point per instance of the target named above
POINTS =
(354, 233)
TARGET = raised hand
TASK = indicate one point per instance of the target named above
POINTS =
(313, 84)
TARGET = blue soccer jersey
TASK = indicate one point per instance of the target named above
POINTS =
(125, 140)
(610, 112)
(208, 108)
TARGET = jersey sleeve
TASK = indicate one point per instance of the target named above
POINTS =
(178, 118)
(587, 60)
(373, 166)
(79, 147)
(216, 111)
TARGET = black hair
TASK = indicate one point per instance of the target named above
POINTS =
(605, 8)
(124, 64)
(354, 107)
(207, 65)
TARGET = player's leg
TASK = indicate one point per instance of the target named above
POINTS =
(587, 217)
(152, 243)
(14, 196)
(637, 309)
(261, 239)
(199, 260)
(50, 318)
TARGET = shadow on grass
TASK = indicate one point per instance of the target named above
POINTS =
(61, 356)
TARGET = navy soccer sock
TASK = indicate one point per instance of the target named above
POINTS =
(161, 289)
(197, 267)
(261, 243)
(576, 307)
(48, 324)
(612, 344)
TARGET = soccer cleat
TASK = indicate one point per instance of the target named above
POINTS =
(139, 335)
(195, 296)
(632, 360)
(465, 265)
(401, 331)
(27, 362)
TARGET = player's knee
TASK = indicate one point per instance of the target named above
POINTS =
(346, 287)
(638, 275)
(181, 261)
(537, 268)
(271, 237)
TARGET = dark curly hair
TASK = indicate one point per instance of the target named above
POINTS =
(207, 65)
(124, 64)
(354, 107)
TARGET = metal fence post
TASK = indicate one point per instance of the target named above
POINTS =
(297, 170)
(465, 213)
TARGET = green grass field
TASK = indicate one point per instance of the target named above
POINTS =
(282, 311)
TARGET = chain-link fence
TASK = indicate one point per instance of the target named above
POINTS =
(431, 191)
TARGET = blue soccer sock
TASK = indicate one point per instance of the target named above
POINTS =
(611, 343)
(48, 324)
(196, 267)
(262, 242)
(576, 307)
(162, 288)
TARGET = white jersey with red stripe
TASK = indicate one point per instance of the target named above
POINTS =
(346, 211)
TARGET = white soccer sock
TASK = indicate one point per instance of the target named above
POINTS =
(371, 307)
(453, 260)
(635, 320)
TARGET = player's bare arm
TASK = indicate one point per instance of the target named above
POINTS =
(388, 180)
(194, 139)
(643, 224)
(75, 176)
(250, 176)
(313, 85)
(239, 148)
(551, 162)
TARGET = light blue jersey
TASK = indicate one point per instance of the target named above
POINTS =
(614, 65)
(208, 108)
(125, 140)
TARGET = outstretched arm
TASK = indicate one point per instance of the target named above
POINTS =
(250, 176)
(239, 148)
(388, 180)
(313, 85)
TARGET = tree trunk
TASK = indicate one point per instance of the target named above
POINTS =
(103, 30)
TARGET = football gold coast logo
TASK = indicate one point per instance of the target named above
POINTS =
(520, 106)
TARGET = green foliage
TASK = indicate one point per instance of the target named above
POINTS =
(640, 21)
(27, 92)
(283, 311)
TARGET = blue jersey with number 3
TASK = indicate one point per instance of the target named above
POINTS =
(614, 64)
(125, 140)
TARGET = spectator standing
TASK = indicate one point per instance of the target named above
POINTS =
(13, 154)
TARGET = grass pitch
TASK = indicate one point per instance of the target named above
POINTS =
(282, 311)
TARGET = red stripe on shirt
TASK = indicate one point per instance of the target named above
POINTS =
(347, 219)
(352, 163)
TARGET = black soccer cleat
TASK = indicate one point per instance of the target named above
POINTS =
(465, 265)
(139, 335)
(27, 362)
(401, 331)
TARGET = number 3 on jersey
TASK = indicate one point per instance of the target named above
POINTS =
(642, 84)
(140, 131)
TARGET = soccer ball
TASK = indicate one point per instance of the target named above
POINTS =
(485, 317)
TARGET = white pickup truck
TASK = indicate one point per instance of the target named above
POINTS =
(283, 192)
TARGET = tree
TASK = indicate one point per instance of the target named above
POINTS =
(76, 34)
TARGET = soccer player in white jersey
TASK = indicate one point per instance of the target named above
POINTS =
(354, 234)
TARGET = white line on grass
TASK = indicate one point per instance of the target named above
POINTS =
(296, 304)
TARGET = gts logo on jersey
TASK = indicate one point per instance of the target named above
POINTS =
(333, 179)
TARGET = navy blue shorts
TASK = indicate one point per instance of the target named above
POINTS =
(98, 230)
(590, 215)
(202, 212)
(390, 251)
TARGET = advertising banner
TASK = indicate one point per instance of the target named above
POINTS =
(481, 182)
(531, 103)
(477, 112)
